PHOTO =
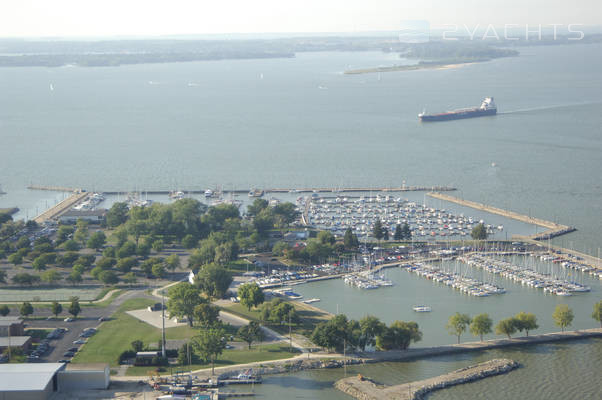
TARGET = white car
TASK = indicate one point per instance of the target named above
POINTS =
(68, 319)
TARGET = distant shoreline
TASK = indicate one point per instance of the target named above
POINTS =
(414, 67)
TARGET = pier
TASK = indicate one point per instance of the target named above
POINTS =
(61, 207)
(366, 389)
(403, 188)
(554, 229)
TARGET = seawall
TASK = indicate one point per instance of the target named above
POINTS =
(366, 389)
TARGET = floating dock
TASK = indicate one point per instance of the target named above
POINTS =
(554, 229)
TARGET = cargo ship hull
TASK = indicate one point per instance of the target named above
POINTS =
(487, 107)
(457, 115)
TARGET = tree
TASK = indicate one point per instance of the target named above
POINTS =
(106, 263)
(398, 235)
(137, 345)
(23, 278)
(4, 310)
(158, 245)
(2, 276)
(109, 252)
(81, 233)
(250, 295)
(386, 234)
(326, 237)
(129, 278)
(506, 327)
(189, 241)
(257, 206)
(117, 214)
(120, 236)
(71, 245)
(172, 262)
(250, 333)
(108, 277)
(143, 248)
(481, 325)
(457, 324)
(74, 307)
(399, 336)
(74, 277)
(370, 327)
(377, 231)
(187, 355)
(97, 240)
(350, 239)
(563, 316)
(479, 232)
(51, 276)
(526, 321)
(213, 280)
(126, 264)
(127, 249)
(63, 233)
(26, 309)
(406, 233)
(56, 308)
(39, 263)
(158, 270)
(210, 345)
(183, 298)
(597, 314)
(331, 334)
(206, 314)
(15, 259)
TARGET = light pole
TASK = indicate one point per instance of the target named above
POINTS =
(163, 323)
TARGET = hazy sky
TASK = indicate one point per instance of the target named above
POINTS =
(162, 17)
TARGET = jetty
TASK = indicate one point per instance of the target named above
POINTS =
(553, 229)
(366, 389)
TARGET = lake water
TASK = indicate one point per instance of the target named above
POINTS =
(196, 125)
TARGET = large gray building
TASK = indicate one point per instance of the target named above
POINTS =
(38, 381)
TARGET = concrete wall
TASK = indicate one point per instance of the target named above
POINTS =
(82, 380)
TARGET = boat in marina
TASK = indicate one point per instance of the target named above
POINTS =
(255, 193)
(422, 308)
(176, 195)
(309, 301)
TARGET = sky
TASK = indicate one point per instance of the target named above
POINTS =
(81, 18)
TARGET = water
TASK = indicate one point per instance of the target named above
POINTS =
(144, 126)
(396, 302)
(556, 371)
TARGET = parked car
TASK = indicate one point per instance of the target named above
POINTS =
(68, 354)
(73, 349)
(68, 319)
(79, 341)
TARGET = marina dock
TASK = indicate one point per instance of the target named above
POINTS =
(553, 229)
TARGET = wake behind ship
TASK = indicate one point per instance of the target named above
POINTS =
(487, 107)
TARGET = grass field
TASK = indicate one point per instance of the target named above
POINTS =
(310, 317)
(228, 357)
(50, 294)
(116, 335)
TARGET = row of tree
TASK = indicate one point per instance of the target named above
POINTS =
(482, 324)
(26, 309)
(340, 333)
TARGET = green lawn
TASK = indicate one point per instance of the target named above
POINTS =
(116, 335)
(229, 357)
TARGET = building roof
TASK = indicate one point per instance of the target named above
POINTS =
(10, 322)
(101, 212)
(15, 341)
(22, 377)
